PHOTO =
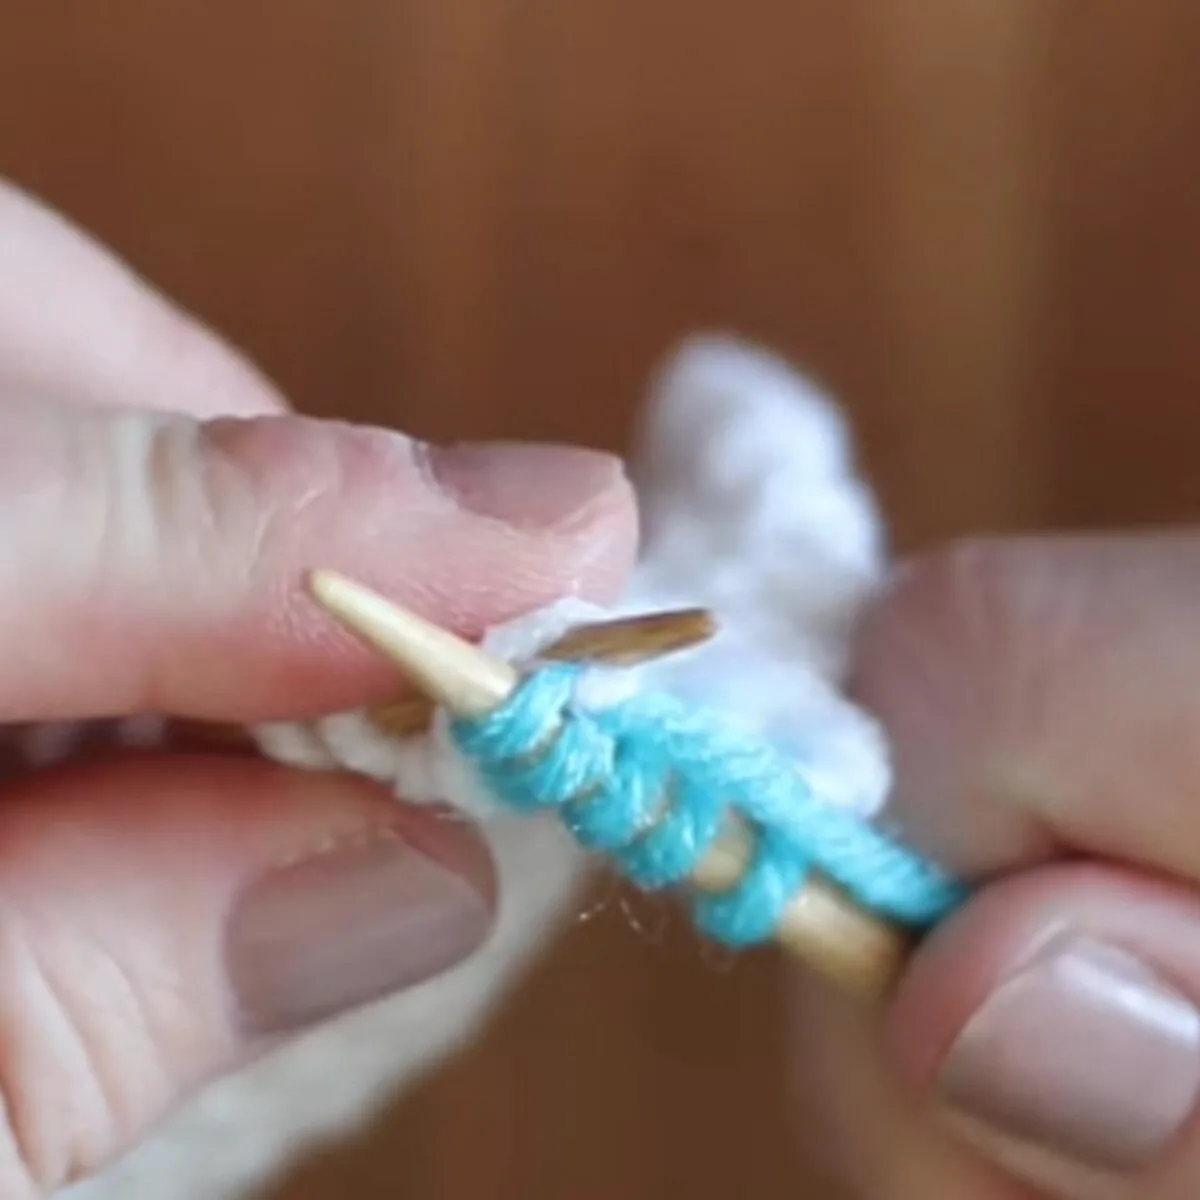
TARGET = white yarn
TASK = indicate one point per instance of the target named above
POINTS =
(752, 508)
(751, 505)
(424, 769)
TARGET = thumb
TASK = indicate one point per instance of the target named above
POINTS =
(152, 562)
(1057, 1017)
(162, 920)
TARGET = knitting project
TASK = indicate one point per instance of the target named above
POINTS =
(649, 781)
(751, 507)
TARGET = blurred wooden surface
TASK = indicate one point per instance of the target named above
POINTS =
(976, 221)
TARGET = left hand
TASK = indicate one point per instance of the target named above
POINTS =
(165, 917)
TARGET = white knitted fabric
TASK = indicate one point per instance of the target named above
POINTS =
(751, 506)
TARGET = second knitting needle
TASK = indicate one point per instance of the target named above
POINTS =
(623, 641)
(820, 925)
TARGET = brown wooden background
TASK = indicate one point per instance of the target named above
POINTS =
(979, 220)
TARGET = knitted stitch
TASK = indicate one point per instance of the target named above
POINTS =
(650, 782)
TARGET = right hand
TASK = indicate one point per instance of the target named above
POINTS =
(1044, 710)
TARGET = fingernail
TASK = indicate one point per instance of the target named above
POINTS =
(528, 486)
(357, 922)
(1085, 1052)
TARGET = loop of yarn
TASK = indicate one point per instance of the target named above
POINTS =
(650, 781)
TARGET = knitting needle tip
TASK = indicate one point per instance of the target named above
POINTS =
(820, 924)
(454, 674)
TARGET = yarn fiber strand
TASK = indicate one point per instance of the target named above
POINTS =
(652, 783)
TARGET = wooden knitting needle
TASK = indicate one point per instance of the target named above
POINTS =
(821, 925)
(623, 641)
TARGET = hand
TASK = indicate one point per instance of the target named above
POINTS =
(165, 917)
(1044, 701)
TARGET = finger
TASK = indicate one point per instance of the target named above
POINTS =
(862, 1127)
(77, 324)
(1058, 1017)
(1041, 693)
(155, 563)
(161, 921)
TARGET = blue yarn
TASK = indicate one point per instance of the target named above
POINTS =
(649, 781)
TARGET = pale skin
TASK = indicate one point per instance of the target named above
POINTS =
(153, 561)
(1041, 698)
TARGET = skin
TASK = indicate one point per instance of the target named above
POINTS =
(161, 507)
(1040, 696)
(1041, 699)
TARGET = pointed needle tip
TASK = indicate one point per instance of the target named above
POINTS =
(451, 672)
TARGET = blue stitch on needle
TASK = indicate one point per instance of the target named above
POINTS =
(649, 782)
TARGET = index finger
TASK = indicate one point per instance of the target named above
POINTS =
(155, 564)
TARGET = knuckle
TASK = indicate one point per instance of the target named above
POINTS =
(169, 503)
(207, 502)
(958, 594)
(961, 638)
(79, 1065)
(303, 475)
(111, 473)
